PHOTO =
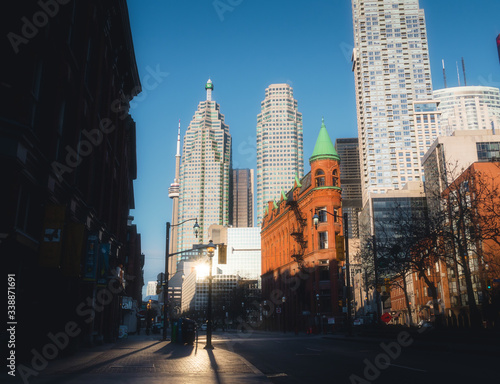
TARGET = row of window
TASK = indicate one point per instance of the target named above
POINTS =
(320, 179)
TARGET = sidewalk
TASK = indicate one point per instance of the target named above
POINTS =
(148, 359)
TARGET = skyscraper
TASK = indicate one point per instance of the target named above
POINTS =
(280, 149)
(350, 179)
(205, 172)
(468, 108)
(243, 198)
(392, 72)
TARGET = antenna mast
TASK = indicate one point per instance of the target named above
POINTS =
(444, 73)
(463, 69)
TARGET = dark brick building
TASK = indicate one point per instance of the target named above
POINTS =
(68, 161)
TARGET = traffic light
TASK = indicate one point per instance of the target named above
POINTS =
(489, 287)
(222, 253)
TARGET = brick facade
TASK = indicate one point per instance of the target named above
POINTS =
(299, 261)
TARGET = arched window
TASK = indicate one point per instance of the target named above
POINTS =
(320, 178)
(335, 178)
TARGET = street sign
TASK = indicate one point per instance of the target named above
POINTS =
(386, 317)
(496, 280)
(278, 310)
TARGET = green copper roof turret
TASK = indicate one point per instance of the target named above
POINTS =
(324, 148)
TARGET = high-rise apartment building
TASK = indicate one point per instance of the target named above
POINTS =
(151, 288)
(350, 179)
(426, 119)
(243, 211)
(280, 149)
(468, 108)
(205, 173)
(392, 72)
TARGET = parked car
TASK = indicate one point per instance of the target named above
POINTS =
(203, 327)
(425, 324)
(358, 322)
(156, 327)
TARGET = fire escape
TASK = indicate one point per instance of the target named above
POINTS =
(298, 233)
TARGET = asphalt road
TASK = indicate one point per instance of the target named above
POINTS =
(317, 359)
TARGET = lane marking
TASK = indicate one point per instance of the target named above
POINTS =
(405, 367)
(277, 375)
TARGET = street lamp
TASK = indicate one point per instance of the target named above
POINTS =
(210, 254)
(196, 229)
(348, 274)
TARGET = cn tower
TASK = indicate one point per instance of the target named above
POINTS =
(173, 193)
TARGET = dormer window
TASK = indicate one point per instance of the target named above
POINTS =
(320, 178)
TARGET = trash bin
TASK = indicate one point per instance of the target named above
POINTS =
(188, 331)
(179, 331)
(174, 332)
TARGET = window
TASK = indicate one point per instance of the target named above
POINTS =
(486, 151)
(323, 240)
(320, 178)
(335, 177)
(322, 215)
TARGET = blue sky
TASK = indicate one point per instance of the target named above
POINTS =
(245, 45)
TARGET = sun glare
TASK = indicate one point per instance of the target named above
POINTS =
(202, 271)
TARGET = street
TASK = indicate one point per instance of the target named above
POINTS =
(286, 358)
(271, 357)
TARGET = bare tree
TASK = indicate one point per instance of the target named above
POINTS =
(466, 216)
(399, 236)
